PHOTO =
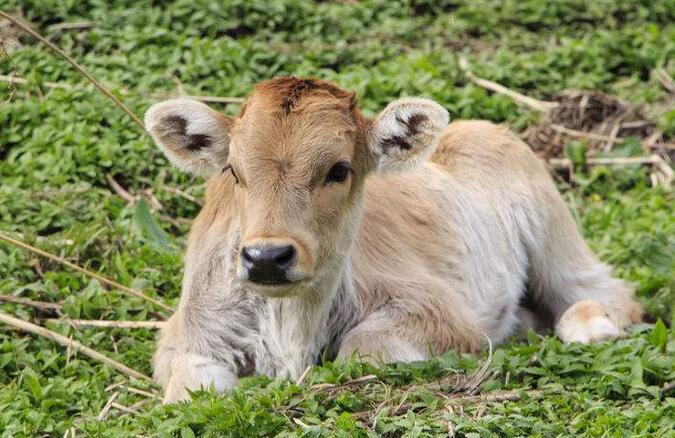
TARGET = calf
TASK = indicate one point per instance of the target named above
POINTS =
(396, 238)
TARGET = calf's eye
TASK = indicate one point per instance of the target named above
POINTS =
(338, 173)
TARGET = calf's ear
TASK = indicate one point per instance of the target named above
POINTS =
(405, 133)
(193, 137)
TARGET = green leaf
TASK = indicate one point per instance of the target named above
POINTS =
(636, 375)
(186, 432)
(148, 225)
(33, 382)
(630, 147)
(659, 336)
(576, 152)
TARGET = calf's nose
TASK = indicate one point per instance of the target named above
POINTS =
(268, 264)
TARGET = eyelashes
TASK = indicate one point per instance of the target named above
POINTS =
(231, 169)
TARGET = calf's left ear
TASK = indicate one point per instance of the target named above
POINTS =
(405, 133)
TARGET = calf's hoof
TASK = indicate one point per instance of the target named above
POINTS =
(586, 321)
(190, 372)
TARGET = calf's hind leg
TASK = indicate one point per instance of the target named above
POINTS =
(568, 282)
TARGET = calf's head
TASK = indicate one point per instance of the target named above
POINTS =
(298, 155)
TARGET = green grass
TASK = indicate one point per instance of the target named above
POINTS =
(56, 146)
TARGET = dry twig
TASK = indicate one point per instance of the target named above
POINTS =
(155, 205)
(113, 386)
(460, 401)
(141, 392)
(587, 135)
(26, 302)
(73, 25)
(109, 324)
(518, 98)
(69, 343)
(480, 375)
(125, 409)
(609, 161)
(119, 190)
(332, 386)
(663, 174)
(495, 397)
(13, 80)
(98, 277)
(303, 375)
(183, 194)
(23, 26)
(666, 81)
(107, 406)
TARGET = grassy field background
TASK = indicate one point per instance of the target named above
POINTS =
(60, 147)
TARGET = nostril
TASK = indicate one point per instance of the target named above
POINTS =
(247, 256)
(285, 256)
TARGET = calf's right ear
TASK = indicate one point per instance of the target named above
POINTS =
(193, 137)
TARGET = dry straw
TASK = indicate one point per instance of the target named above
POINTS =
(71, 344)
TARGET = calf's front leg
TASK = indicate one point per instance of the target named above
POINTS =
(208, 347)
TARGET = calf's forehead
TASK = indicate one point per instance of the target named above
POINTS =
(318, 130)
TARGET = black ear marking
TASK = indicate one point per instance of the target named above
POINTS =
(413, 123)
(177, 125)
(395, 141)
(412, 128)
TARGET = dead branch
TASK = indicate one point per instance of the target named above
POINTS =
(331, 386)
(13, 80)
(139, 404)
(585, 135)
(125, 409)
(107, 406)
(141, 392)
(662, 175)
(119, 190)
(74, 25)
(618, 161)
(518, 98)
(155, 205)
(495, 397)
(74, 63)
(665, 80)
(85, 323)
(303, 375)
(69, 343)
(98, 277)
(648, 144)
(183, 194)
(26, 302)
(113, 386)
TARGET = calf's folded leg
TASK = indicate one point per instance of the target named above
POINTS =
(393, 335)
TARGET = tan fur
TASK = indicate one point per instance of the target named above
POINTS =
(392, 264)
